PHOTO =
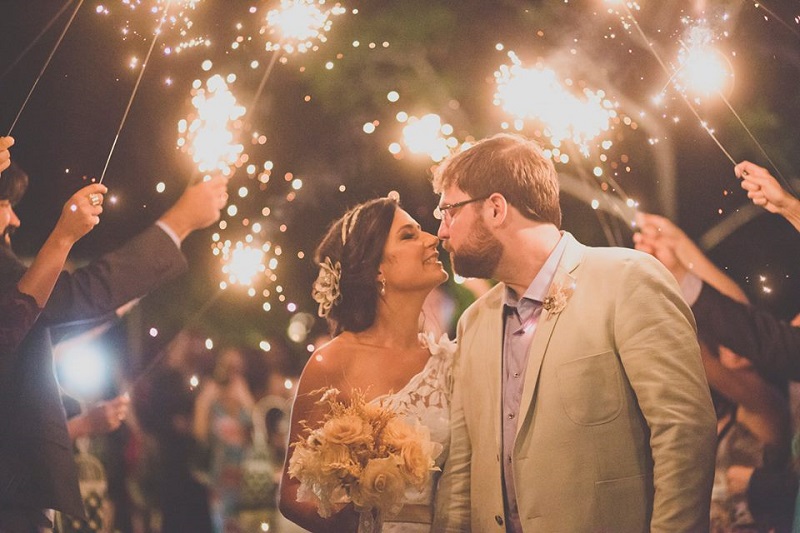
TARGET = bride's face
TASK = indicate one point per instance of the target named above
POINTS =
(410, 257)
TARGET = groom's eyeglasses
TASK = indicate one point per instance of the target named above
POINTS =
(445, 211)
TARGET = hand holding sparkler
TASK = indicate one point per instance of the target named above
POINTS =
(198, 207)
(668, 243)
(101, 418)
(5, 155)
(80, 214)
(764, 190)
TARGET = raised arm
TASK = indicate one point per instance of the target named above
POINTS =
(670, 245)
(80, 214)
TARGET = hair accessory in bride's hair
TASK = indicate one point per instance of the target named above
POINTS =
(326, 290)
(349, 223)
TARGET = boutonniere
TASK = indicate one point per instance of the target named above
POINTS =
(558, 296)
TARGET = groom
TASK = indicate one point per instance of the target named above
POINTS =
(580, 402)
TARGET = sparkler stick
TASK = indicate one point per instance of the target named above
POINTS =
(46, 63)
(666, 69)
(135, 89)
(36, 39)
(786, 182)
(760, 5)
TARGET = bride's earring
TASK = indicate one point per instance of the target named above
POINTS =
(383, 286)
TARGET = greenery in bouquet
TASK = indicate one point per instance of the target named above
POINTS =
(363, 453)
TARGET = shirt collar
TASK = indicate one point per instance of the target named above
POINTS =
(537, 290)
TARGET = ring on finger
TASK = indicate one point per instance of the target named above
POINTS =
(95, 199)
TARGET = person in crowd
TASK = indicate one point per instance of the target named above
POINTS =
(580, 401)
(168, 483)
(21, 304)
(377, 266)
(37, 468)
(764, 190)
(223, 425)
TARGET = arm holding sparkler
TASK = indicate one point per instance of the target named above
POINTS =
(79, 216)
(764, 190)
(669, 244)
(198, 207)
(100, 418)
(20, 307)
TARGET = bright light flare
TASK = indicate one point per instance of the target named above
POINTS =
(243, 264)
(426, 135)
(537, 94)
(299, 24)
(207, 135)
(702, 68)
(84, 370)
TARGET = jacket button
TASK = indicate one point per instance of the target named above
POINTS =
(499, 520)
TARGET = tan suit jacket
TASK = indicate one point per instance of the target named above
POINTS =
(616, 430)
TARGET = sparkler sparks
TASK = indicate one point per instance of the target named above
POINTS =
(703, 69)
(299, 25)
(427, 135)
(207, 135)
(537, 94)
(243, 263)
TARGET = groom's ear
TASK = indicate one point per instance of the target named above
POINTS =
(499, 209)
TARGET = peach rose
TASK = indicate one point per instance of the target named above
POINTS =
(347, 430)
(381, 485)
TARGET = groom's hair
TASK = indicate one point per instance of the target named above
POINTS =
(360, 254)
(510, 165)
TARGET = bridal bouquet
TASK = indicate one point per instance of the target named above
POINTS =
(361, 453)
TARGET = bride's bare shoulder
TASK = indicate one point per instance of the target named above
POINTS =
(329, 363)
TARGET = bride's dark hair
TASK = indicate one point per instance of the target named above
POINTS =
(356, 242)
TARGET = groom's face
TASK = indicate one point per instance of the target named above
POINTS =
(474, 250)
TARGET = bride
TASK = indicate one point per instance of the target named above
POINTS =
(376, 268)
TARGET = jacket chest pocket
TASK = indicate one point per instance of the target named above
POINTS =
(591, 389)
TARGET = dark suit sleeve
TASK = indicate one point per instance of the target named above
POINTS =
(18, 312)
(771, 344)
(114, 279)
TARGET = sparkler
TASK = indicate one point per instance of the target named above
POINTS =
(47, 61)
(181, 20)
(136, 87)
(207, 134)
(298, 24)
(703, 69)
(670, 74)
(536, 93)
(427, 135)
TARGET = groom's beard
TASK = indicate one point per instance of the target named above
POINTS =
(480, 254)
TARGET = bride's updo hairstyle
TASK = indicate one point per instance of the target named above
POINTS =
(349, 259)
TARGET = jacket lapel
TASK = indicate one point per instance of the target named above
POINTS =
(573, 253)
(491, 339)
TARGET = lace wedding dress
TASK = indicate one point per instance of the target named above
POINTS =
(426, 398)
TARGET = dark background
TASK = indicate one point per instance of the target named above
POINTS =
(441, 59)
